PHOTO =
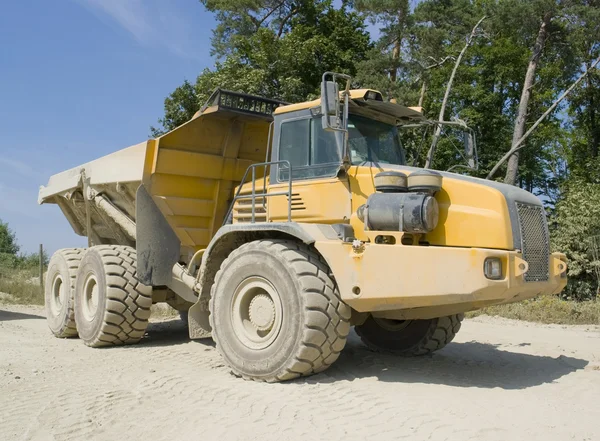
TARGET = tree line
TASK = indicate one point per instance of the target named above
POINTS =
(11, 257)
(501, 66)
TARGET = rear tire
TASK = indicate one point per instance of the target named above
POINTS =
(409, 337)
(112, 307)
(59, 289)
(275, 312)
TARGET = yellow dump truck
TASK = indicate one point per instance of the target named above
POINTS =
(274, 228)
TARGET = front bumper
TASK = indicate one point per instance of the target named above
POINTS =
(427, 282)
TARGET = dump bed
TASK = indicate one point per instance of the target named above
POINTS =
(190, 173)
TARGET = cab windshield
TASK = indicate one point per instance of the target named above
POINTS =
(373, 141)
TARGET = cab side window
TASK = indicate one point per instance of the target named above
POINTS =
(311, 151)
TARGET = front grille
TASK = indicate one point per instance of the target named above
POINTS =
(534, 241)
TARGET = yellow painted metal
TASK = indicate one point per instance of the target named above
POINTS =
(242, 209)
(192, 171)
(319, 201)
(323, 201)
(424, 279)
(471, 214)
(355, 94)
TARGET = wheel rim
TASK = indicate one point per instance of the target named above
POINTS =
(90, 297)
(256, 313)
(58, 295)
(391, 325)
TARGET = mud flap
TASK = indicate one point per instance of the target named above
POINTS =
(157, 245)
(198, 323)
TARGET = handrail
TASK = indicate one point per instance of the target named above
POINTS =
(264, 194)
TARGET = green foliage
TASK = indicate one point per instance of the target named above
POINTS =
(282, 56)
(8, 241)
(180, 106)
(240, 19)
(11, 262)
(19, 278)
(33, 260)
(489, 81)
(575, 225)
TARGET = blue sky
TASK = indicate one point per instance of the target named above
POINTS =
(80, 79)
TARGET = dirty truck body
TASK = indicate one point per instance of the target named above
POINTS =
(274, 232)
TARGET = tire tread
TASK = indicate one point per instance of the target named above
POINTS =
(440, 332)
(125, 292)
(328, 317)
(72, 257)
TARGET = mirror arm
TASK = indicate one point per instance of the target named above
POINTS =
(345, 153)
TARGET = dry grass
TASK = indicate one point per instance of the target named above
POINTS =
(22, 287)
(548, 309)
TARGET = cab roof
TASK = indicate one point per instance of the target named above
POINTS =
(366, 102)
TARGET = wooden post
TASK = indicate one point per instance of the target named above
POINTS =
(42, 267)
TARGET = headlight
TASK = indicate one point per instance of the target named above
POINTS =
(492, 268)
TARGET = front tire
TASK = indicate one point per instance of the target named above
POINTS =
(112, 307)
(275, 312)
(59, 289)
(408, 337)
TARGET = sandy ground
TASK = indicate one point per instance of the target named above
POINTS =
(499, 380)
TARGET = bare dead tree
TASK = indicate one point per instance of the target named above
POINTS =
(423, 75)
(422, 93)
(513, 163)
(519, 144)
(438, 130)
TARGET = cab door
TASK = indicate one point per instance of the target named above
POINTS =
(320, 192)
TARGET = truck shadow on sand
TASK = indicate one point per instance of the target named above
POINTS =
(468, 364)
(168, 333)
(14, 315)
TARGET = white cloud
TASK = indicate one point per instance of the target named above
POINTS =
(152, 23)
(130, 14)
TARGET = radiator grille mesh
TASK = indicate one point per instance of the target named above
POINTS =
(534, 241)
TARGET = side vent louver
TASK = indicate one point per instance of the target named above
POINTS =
(242, 210)
(297, 202)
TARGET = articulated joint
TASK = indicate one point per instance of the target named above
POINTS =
(183, 283)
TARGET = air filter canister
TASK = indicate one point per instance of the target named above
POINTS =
(391, 182)
(427, 181)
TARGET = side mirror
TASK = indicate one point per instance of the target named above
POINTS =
(334, 116)
(330, 105)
